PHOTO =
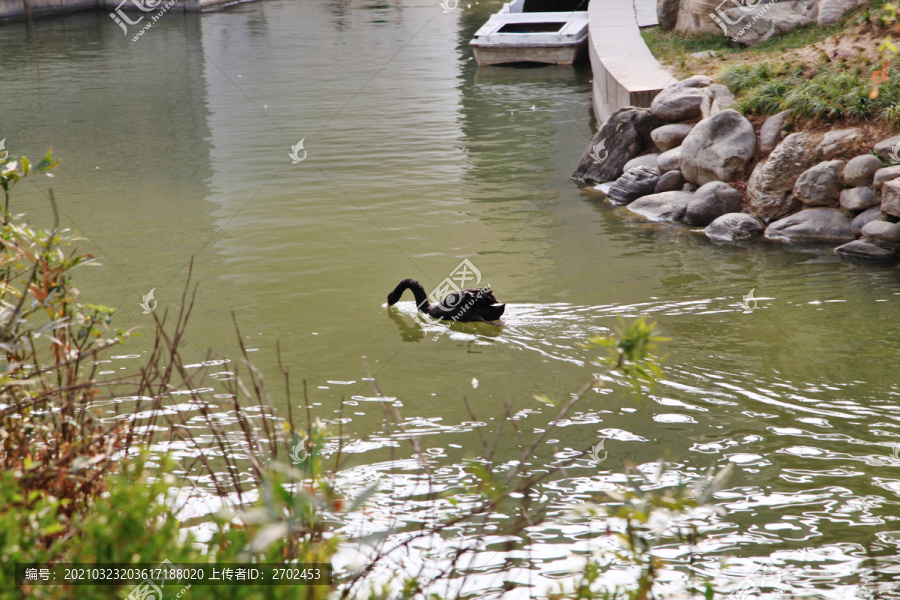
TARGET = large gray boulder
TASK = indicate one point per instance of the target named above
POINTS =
(647, 160)
(637, 182)
(718, 148)
(838, 143)
(669, 136)
(866, 216)
(861, 169)
(749, 25)
(813, 225)
(865, 249)
(734, 227)
(771, 182)
(772, 132)
(681, 101)
(890, 198)
(831, 11)
(858, 198)
(819, 185)
(882, 230)
(889, 150)
(669, 182)
(693, 17)
(665, 206)
(716, 98)
(624, 135)
(669, 160)
(667, 13)
(885, 174)
(711, 201)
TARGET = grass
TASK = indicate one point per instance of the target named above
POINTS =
(832, 92)
(823, 74)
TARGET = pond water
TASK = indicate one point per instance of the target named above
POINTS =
(177, 145)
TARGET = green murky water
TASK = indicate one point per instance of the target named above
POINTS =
(177, 145)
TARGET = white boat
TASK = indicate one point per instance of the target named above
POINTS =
(541, 31)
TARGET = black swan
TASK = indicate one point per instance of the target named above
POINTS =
(465, 305)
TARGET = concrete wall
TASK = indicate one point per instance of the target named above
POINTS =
(19, 9)
(22, 9)
(625, 71)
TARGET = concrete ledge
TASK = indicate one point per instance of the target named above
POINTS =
(15, 10)
(19, 9)
(625, 72)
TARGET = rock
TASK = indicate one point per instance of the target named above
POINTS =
(882, 230)
(681, 101)
(647, 160)
(667, 13)
(890, 198)
(885, 174)
(716, 99)
(693, 17)
(669, 182)
(772, 180)
(831, 11)
(718, 148)
(624, 135)
(889, 150)
(837, 143)
(866, 250)
(665, 206)
(732, 227)
(670, 160)
(772, 131)
(669, 136)
(813, 225)
(858, 198)
(637, 182)
(710, 202)
(866, 216)
(819, 185)
(861, 169)
(690, 187)
(749, 25)
(892, 246)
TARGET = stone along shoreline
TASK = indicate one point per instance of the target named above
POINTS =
(691, 159)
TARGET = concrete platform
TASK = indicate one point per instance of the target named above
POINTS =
(14, 10)
(625, 72)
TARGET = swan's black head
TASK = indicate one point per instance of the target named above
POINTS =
(393, 297)
(407, 284)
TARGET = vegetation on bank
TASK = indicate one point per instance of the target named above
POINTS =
(825, 75)
(80, 485)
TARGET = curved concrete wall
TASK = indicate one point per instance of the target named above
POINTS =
(20, 9)
(625, 72)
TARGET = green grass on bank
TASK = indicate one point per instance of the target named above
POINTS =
(769, 77)
(835, 91)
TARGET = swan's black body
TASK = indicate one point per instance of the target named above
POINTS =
(465, 305)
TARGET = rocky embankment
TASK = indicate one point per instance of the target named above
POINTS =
(691, 159)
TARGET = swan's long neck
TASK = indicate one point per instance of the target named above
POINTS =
(417, 290)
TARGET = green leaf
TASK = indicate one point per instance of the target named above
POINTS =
(46, 163)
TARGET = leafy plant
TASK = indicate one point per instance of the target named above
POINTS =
(632, 351)
(13, 170)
